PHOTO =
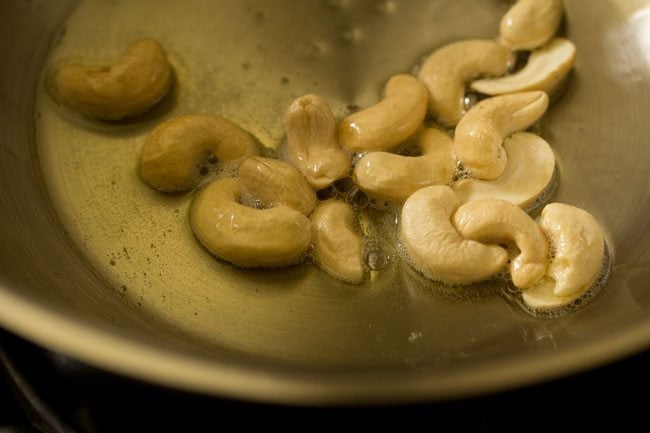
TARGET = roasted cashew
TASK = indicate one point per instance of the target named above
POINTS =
(531, 164)
(311, 141)
(395, 177)
(492, 220)
(389, 122)
(480, 133)
(545, 69)
(530, 23)
(276, 183)
(132, 85)
(171, 158)
(448, 69)
(579, 248)
(246, 236)
(436, 247)
(337, 246)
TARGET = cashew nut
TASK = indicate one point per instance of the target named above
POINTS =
(276, 183)
(246, 236)
(337, 246)
(395, 177)
(480, 133)
(132, 85)
(579, 248)
(436, 247)
(544, 70)
(492, 220)
(171, 158)
(530, 23)
(389, 122)
(311, 141)
(448, 69)
(531, 164)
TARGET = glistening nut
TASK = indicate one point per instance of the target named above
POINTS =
(389, 122)
(312, 145)
(480, 133)
(337, 246)
(448, 69)
(170, 158)
(276, 183)
(130, 86)
(246, 236)
(435, 246)
(492, 220)
(394, 177)
(530, 23)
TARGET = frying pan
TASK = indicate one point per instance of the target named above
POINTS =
(96, 265)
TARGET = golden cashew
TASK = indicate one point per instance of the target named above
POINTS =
(246, 236)
(171, 158)
(579, 248)
(530, 23)
(395, 177)
(492, 220)
(132, 85)
(276, 183)
(531, 164)
(480, 133)
(545, 69)
(447, 71)
(436, 247)
(311, 141)
(337, 246)
(389, 122)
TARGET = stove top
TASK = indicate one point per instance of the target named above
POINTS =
(42, 391)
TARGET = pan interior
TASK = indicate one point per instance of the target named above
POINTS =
(247, 61)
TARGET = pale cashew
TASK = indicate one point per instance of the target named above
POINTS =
(311, 141)
(579, 248)
(492, 220)
(132, 85)
(391, 121)
(531, 164)
(436, 247)
(246, 236)
(545, 69)
(447, 71)
(337, 246)
(530, 23)
(276, 183)
(171, 158)
(480, 133)
(395, 177)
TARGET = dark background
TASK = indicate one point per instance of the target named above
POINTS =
(41, 391)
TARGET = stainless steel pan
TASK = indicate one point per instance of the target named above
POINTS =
(96, 265)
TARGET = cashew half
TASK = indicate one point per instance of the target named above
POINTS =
(492, 220)
(530, 23)
(276, 183)
(132, 85)
(386, 124)
(395, 177)
(448, 69)
(436, 247)
(531, 164)
(171, 158)
(337, 246)
(544, 70)
(311, 141)
(480, 133)
(246, 236)
(579, 248)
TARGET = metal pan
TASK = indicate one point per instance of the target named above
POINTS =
(96, 265)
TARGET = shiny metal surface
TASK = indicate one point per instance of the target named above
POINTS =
(95, 264)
